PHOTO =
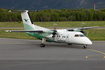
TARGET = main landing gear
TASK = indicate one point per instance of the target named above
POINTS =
(69, 44)
(43, 42)
(42, 45)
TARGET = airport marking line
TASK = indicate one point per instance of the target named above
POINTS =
(88, 56)
(95, 51)
(104, 57)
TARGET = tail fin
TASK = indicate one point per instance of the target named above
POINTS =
(27, 22)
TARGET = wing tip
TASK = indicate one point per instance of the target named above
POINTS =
(7, 31)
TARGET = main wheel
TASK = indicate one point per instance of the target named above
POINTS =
(42, 45)
(69, 44)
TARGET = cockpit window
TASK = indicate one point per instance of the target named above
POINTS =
(79, 35)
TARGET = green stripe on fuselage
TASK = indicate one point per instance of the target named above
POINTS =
(39, 36)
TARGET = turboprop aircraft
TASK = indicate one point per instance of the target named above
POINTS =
(69, 36)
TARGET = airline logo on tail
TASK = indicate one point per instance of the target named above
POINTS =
(26, 20)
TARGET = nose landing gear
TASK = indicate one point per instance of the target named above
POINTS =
(85, 46)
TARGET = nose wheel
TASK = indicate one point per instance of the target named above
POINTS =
(85, 46)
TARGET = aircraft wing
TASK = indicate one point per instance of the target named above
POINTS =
(87, 28)
(82, 28)
(30, 31)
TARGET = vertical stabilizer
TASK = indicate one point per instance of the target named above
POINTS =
(27, 22)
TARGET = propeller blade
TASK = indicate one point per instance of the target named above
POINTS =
(54, 31)
(83, 24)
(54, 25)
(86, 33)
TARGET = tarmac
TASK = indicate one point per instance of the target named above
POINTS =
(23, 54)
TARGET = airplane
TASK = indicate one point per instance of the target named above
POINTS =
(69, 36)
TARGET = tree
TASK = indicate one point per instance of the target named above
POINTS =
(55, 17)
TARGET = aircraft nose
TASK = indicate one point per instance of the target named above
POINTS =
(83, 40)
(88, 42)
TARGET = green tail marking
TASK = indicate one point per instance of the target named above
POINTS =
(26, 20)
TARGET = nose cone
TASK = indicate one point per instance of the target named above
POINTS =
(83, 40)
(87, 41)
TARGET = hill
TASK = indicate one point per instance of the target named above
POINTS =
(50, 4)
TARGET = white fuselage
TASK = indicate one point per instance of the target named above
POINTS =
(70, 37)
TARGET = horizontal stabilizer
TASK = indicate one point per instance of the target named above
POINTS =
(17, 11)
(30, 31)
(22, 11)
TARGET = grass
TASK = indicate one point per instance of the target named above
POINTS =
(59, 24)
(93, 34)
(17, 35)
(11, 24)
(96, 34)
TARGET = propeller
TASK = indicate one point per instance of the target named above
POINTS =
(83, 24)
(82, 28)
(54, 31)
(84, 32)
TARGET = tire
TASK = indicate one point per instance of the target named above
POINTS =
(42, 45)
(84, 47)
